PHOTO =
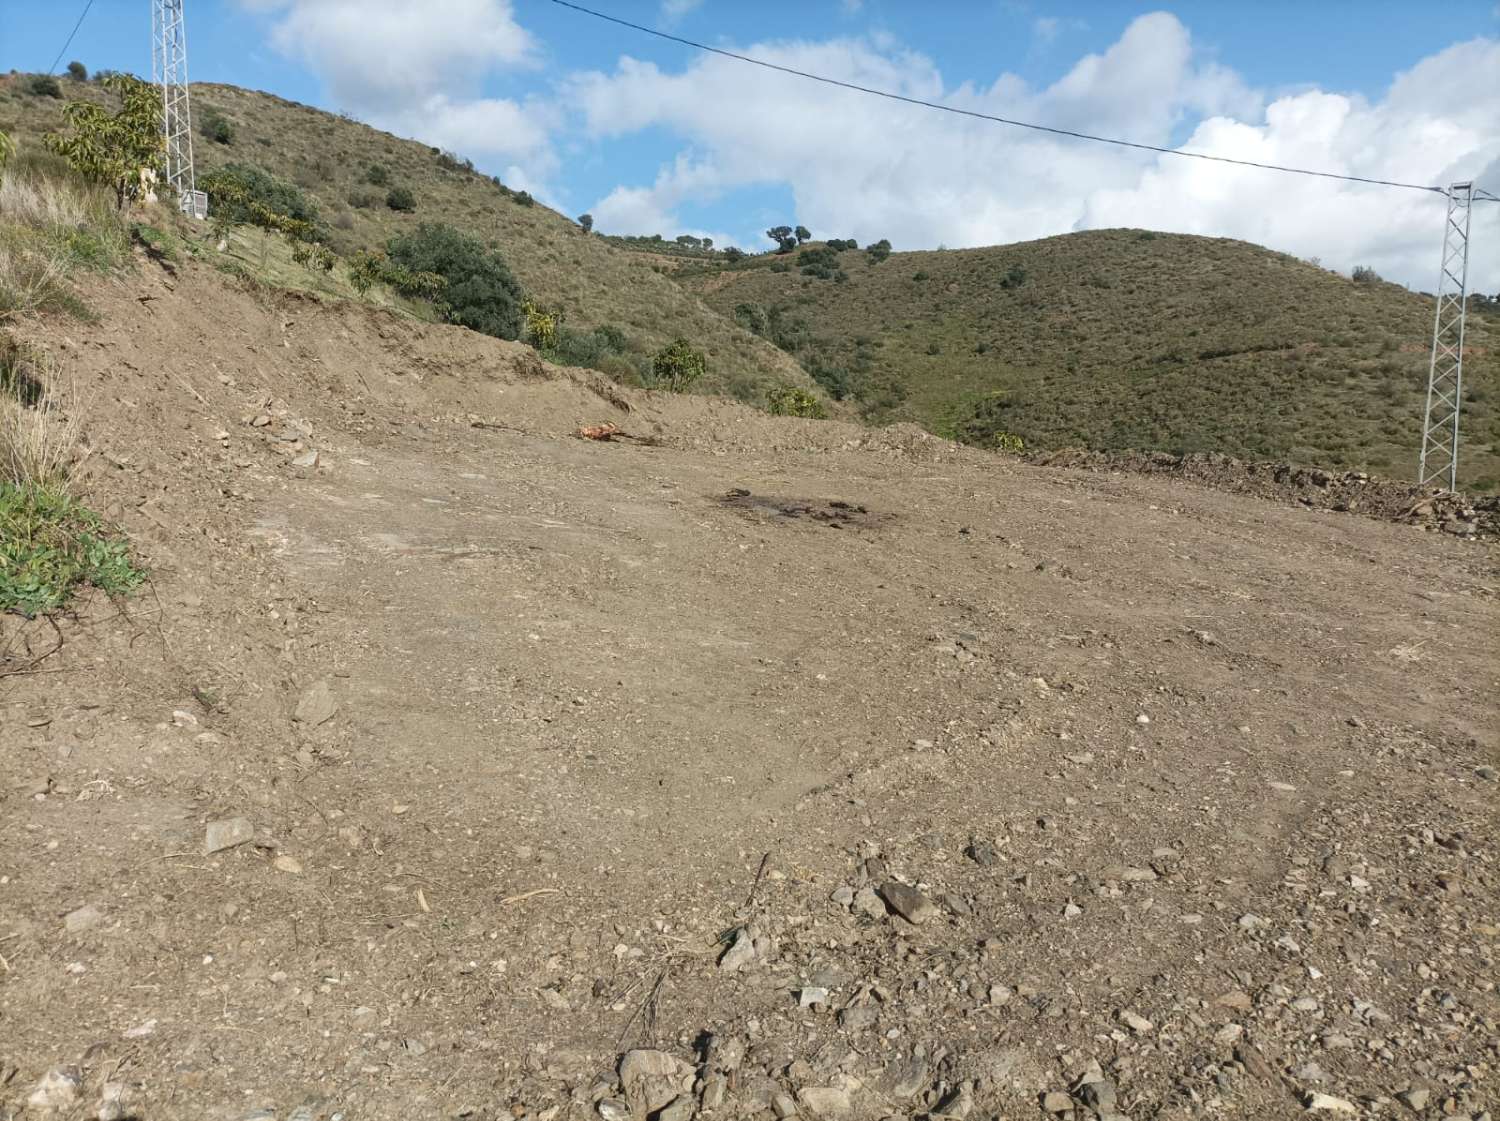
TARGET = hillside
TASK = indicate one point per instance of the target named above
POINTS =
(329, 157)
(1118, 339)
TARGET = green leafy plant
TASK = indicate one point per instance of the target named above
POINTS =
(377, 175)
(479, 291)
(879, 251)
(7, 149)
(78, 71)
(51, 545)
(43, 85)
(677, 366)
(789, 400)
(542, 324)
(119, 149)
(401, 198)
(214, 125)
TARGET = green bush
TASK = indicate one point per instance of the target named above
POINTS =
(1014, 277)
(213, 125)
(363, 200)
(50, 546)
(878, 251)
(479, 291)
(789, 400)
(984, 424)
(78, 71)
(401, 198)
(677, 366)
(377, 175)
(43, 85)
(239, 185)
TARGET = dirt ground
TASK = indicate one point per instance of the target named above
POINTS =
(754, 767)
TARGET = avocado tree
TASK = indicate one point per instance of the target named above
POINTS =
(677, 365)
(115, 149)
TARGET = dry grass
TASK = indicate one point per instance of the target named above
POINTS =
(40, 419)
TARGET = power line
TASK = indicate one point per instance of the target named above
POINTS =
(81, 16)
(989, 117)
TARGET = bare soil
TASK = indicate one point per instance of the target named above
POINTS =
(1195, 789)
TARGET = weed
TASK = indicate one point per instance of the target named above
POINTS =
(39, 418)
(51, 545)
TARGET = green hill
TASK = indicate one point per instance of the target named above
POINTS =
(594, 282)
(1118, 339)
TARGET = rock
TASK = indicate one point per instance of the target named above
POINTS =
(811, 995)
(261, 421)
(1489, 774)
(982, 853)
(783, 1105)
(226, 833)
(308, 458)
(825, 1101)
(284, 863)
(1072, 911)
(1414, 1099)
(741, 952)
(1098, 1096)
(715, 1086)
(1057, 1101)
(1136, 1022)
(184, 719)
(843, 895)
(904, 1078)
(1254, 1062)
(679, 1109)
(1235, 1000)
(1326, 1103)
(76, 922)
(612, 1110)
(867, 901)
(1143, 719)
(958, 1104)
(907, 902)
(113, 1102)
(652, 1079)
(57, 1090)
(317, 705)
(857, 1017)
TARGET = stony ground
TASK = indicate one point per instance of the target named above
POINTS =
(452, 766)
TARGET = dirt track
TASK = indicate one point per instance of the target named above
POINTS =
(592, 719)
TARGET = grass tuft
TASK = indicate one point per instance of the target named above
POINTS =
(51, 546)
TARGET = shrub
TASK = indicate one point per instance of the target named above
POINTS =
(78, 71)
(677, 366)
(237, 188)
(819, 262)
(111, 148)
(214, 125)
(734, 254)
(839, 245)
(479, 291)
(592, 349)
(401, 198)
(984, 425)
(39, 419)
(541, 324)
(789, 400)
(43, 85)
(343, 220)
(7, 149)
(523, 198)
(1014, 277)
(920, 276)
(377, 175)
(363, 200)
(1363, 274)
(879, 251)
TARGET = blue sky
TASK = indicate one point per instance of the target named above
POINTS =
(654, 137)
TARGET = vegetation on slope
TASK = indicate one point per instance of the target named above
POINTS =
(1117, 339)
(370, 187)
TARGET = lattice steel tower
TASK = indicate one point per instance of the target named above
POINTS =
(1445, 375)
(169, 71)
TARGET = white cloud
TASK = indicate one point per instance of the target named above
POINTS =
(417, 69)
(868, 169)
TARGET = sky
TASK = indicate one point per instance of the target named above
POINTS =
(655, 137)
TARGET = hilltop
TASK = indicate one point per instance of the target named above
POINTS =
(1116, 339)
(593, 282)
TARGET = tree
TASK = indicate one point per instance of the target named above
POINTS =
(688, 241)
(734, 254)
(114, 149)
(783, 237)
(879, 251)
(235, 186)
(401, 198)
(377, 175)
(677, 365)
(708, 243)
(479, 293)
(1363, 274)
(587, 222)
(78, 71)
(803, 234)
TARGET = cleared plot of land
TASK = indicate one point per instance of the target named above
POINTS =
(528, 729)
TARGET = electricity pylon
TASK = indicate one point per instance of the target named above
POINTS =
(169, 71)
(1445, 375)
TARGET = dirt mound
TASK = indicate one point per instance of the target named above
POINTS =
(491, 772)
(1349, 491)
